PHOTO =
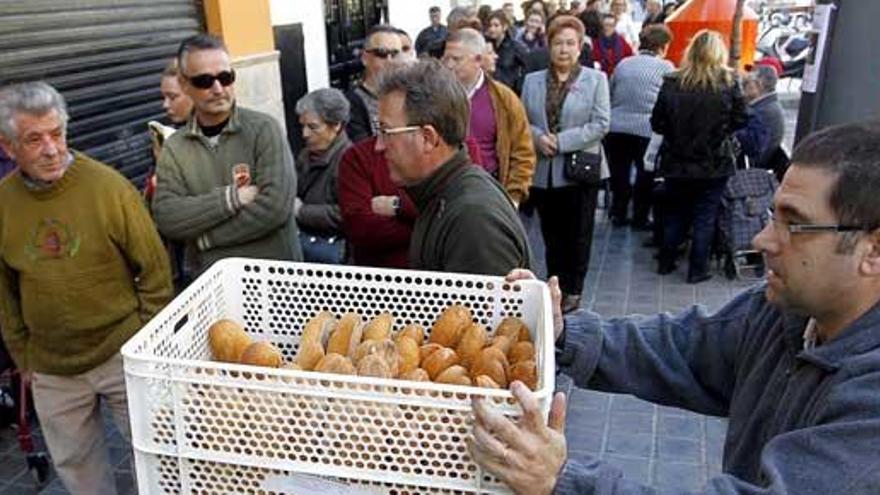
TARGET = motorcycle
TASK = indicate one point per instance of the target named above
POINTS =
(791, 47)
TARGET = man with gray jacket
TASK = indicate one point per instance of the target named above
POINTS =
(226, 182)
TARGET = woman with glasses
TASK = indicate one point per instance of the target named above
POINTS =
(322, 115)
(569, 112)
(697, 110)
(510, 67)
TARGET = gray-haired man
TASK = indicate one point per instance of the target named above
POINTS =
(82, 269)
(760, 90)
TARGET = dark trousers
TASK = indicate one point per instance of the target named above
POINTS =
(567, 215)
(624, 151)
(691, 202)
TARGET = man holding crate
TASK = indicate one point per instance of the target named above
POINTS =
(82, 269)
(793, 363)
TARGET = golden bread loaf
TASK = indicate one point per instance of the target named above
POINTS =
(450, 325)
(228, 341)
(262, 354)
(379, 328)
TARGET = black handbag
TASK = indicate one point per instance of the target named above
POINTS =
(583, 167)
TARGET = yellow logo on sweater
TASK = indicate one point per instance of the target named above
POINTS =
(52, 239)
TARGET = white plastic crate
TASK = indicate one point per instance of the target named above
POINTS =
(191, 417)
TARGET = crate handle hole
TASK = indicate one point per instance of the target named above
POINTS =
(181, 323)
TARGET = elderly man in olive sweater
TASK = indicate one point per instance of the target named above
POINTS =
(225, 182)
(82, 269)
(467, 222)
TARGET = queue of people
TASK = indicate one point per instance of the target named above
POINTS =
(430, 165)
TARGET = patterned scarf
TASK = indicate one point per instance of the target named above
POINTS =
(556, 92)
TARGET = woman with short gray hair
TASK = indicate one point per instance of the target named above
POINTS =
(322, 114)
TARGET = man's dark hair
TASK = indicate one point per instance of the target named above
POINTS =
(434, 10)
(197, 43)
(380, 28)
(654, 37)
(852, 153)
(433, 96)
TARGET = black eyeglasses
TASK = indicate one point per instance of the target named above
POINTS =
(205, 81)
(383, 52)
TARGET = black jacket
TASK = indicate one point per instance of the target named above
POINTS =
(317, 188)
(697, 127)
(512, 63)
(359, 126)
(466, 223)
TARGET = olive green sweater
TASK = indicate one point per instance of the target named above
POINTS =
(82, 268)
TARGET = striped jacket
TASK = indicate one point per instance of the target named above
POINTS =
(634, 87)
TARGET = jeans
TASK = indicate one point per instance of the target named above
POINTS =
(691, 202)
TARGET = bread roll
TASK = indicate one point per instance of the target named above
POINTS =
(379, 328)
(454, 375)
(526, 372)
(521, 351)
(416, 375)
(502, 342)
(384, 348)
(374, 365)
(291, 366)
(318, 329)
(485, 382)
(227, 340)
(450, 325)
(438, 361)
(514, 328)
(310, 352)
(347, 335)
(426, 350)
(335, 363)
(262, 354)
(408, 355)
(413, 331)
(492, 363)
(472, 342)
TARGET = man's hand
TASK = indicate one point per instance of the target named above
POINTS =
(527, 455)
(555, 296)
(384, 205)
(247, 194)
(548, 145)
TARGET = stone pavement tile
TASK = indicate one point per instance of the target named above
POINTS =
(679, 475)
(12, 466)
(642, 309)
(677, 411)
(679, 449)
(634, 469)
(633, 422)
(630, 403)
(23, 487)
(680, 426)
(55, 488)
(630, 444)
(716, 429)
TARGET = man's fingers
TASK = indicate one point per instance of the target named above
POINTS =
(488, 461)
(532, 417)
(497, 423)
(519, 274)
(557, 413)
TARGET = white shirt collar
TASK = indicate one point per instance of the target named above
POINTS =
(480, 80)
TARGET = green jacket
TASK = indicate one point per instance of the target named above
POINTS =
(196, 198)
(466, 223)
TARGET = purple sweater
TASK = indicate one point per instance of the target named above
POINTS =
(801, 421)
(6, 164)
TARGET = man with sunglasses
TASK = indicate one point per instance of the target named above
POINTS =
(226, 181)
(466, 222)
(382, 49)
(793, 363)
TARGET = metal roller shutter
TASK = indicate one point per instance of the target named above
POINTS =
(106, 58)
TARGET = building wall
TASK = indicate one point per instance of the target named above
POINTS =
(311, 14)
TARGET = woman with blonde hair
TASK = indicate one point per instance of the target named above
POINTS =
(697, 110)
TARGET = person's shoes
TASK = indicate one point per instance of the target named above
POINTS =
(643, 226)
(619, 221)
(665, 267)
(570, 303)
(696, 278)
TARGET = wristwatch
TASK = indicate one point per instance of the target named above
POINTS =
(395, 204)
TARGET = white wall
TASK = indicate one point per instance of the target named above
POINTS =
(412, 15)
(311, 14)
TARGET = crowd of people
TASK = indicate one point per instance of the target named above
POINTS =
(432, 163)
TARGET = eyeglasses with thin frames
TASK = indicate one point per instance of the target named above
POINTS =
(385, 133)
(785, 229)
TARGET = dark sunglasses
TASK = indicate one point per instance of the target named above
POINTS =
(382, 52)
(205, 81)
